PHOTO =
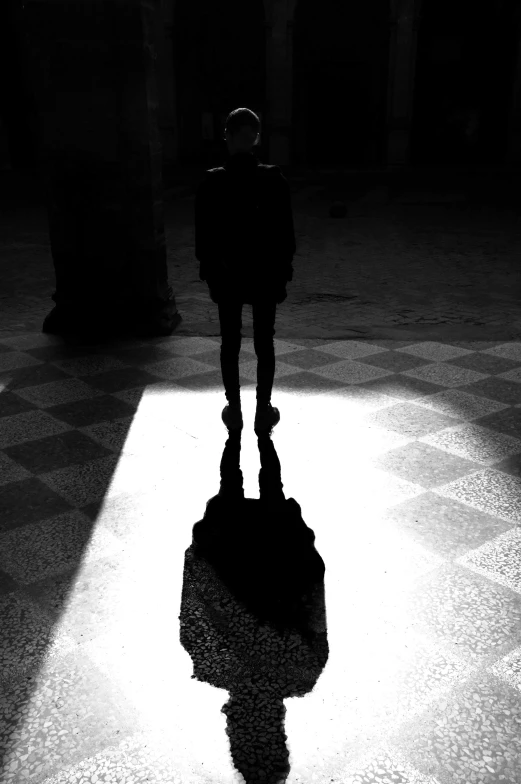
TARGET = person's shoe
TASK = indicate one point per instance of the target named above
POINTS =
(266, 417)
(232, 416)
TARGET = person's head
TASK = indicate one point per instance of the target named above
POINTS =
(242, 130)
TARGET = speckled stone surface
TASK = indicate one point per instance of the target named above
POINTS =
(405, 457)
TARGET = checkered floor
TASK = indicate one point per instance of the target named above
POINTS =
(406, 461)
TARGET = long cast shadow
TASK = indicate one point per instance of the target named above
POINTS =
(253, 615)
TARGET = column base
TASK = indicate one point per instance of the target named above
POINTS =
(89, 325)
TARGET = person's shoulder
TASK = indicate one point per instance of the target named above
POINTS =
(275, 180)
(264, 168)
(268, 172)
(214, 175)
(271, 171)
(210, 180)
(273, 174)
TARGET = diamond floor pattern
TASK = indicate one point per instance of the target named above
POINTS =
(405, 459)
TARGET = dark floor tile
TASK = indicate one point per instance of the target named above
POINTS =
(81, 413)
(57, 451)
(28, 501)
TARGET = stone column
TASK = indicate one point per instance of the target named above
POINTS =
(402, 66)
(93, 64)
(279, 78)
(167, 84)
(18, 140)
(513, 156)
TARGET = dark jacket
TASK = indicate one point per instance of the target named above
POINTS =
(244, 234)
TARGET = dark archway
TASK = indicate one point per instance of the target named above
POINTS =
(220, 64)
(341, 62)
(463, 83)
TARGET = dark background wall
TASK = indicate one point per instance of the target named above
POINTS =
(464, 70)
(341, 57)
(219, 59)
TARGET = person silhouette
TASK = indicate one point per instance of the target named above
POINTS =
(245, 243)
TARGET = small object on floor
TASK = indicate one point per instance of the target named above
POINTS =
(232, 416)
(266, 417)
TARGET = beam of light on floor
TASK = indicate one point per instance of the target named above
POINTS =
(167, 470)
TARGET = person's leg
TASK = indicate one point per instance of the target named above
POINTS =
(264, 314)
(230, 318)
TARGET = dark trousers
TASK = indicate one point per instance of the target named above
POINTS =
(230, 317)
